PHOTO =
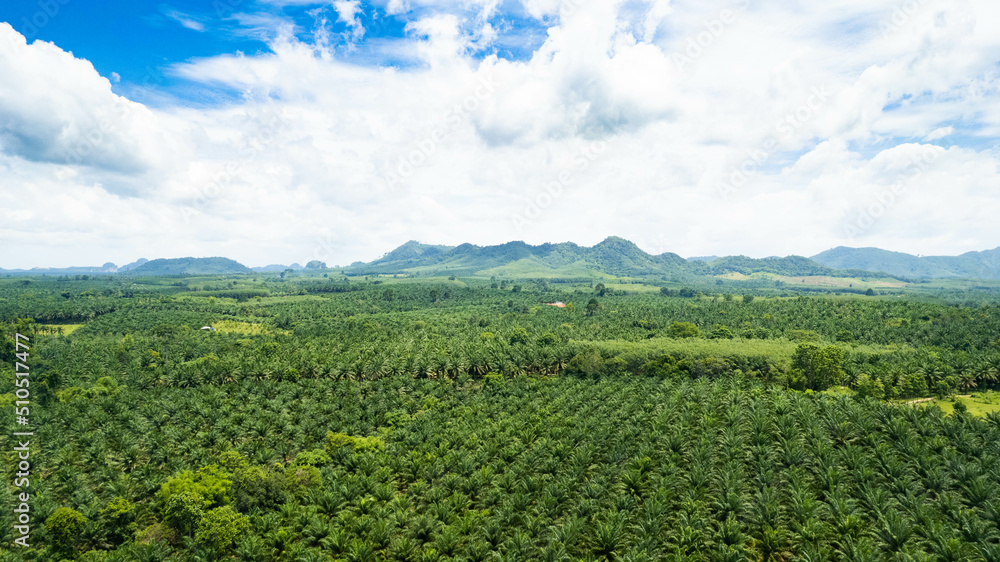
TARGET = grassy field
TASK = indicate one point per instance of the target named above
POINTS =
(633, 287)
(820, 281)
(234, 327)
(961, 284)
(838, 391)
(782, 350)
(534, 268)
(979, 404)
(62, 329)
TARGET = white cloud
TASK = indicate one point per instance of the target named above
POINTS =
(55, 108)
(940, 133)
(541, 9)
(441, 44)
(324, 159)
(185, 20)
(657, 11)
(396, 7)
(347, 13)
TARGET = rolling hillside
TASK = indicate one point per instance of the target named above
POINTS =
(191, 266)
(612, 257)
(978, 265)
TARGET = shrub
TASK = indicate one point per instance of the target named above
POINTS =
(368, 444)
(209, 484)
(519, 336)
(118, 520)
(615, 366)
(155, 533)
(182, 511)
(804, 336)
(256, 488)
(299, 480)
(586, 363)
(822, 366)
(721, 333)
(316, 457)
(663, 366)
(493, 380)
(233, 461)
(70, 394)
(846, 336)
(548, 338)
(104, 386)
(869, 386)
(683, 330)
(65, 526)
(337, 441)
(220, 527)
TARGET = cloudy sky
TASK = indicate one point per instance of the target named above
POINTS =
(273, 131)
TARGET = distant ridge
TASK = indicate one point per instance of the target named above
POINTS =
(82, 270)
(976, 265)
(133, 265)
(613, 256)
(276, 268)
(191, 266)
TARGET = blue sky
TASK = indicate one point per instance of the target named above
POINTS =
(136, 40)
(278, 131)
(139, 41)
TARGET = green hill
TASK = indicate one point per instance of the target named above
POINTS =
(979, 265)
(794, 266)
(612, 257)
(191, 266)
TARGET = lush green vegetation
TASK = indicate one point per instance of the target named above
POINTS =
(334, 418)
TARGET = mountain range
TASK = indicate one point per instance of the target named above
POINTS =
(614, 256)
(975, 265)
(178, 266)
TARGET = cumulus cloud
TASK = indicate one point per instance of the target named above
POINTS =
(693, 127)
(396, 7)
(55, 108)
(347, 13)
(542, 9)
(655, 14)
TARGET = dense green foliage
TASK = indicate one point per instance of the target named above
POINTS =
(144, 335)
(633, 466)
(384, 419)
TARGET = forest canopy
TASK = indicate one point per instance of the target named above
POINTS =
(327, 418)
